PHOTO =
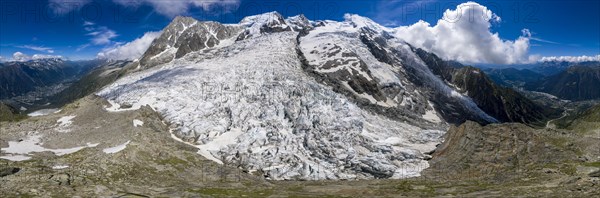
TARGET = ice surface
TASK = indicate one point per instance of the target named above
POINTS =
(251, 103)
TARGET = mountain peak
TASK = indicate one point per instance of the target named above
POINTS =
(269, 22)
(181, 22)
(299, 22)
(360, 22)
(184, 35)
(269, 17)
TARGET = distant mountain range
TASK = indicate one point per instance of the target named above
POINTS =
(512, 77)
(575, 83)
(570, 81)
(29, 85)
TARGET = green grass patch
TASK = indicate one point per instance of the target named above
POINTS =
(172, 161)
(229, 192)
(592, 164)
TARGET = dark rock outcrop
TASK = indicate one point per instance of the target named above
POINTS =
(504, 104)
(8, 171)
(184, 35)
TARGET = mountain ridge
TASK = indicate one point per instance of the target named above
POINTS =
(337, 85)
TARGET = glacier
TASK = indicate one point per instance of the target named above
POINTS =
(266, 114)
(292, 99)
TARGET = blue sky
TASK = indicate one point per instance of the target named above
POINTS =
(81, 29)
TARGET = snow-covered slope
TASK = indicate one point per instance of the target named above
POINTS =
(296, 99)
(361, 57)
(264, 23)
(251, 103)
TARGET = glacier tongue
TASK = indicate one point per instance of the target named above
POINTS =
(251, 105)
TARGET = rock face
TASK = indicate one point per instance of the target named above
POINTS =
(184, 35)
(496, 148)
(504, 104)
(299, 23)
(8, 171)
(9, 113)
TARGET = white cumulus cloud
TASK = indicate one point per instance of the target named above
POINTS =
(129, 51)
(463, 34)
(18, 56)
(576, 59)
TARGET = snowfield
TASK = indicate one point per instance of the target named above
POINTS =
(116, 149)
(251, 104)
(64, 124)
(137, 123)
(21, 150)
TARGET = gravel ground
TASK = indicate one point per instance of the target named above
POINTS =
(153, 164)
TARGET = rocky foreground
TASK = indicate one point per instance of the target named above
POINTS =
(85, 150)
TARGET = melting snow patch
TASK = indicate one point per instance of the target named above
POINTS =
(20, 150)
(58, 167)
(137, 123)
(43, 112)
(92, 145)
(64, 123)
(116, 149)
(16, 158)
(115, 107)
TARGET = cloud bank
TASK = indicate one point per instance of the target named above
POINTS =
(169, 8)
(576, 59)
(66, 6)
(179, 7)
(464, 35)
(129, 51)
(18, 56)
(21, 57)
